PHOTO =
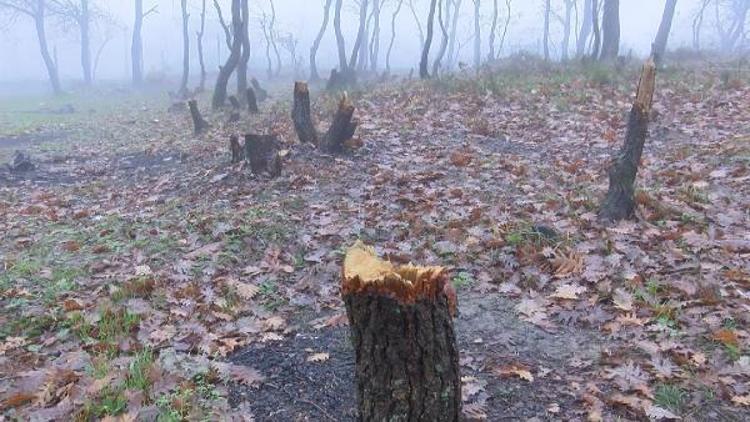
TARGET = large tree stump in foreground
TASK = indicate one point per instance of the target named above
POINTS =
(303, 123)
(401, 321)
(252, 101)
(342, 128)
(262, 151)
(620, 201)
(199, 123)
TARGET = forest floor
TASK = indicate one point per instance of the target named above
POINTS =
(144, 276)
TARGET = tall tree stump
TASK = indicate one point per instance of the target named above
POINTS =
(252, 101)
(262, 151)
(238, 153)
(342, 127)
(401, 322)
(303, 123)
(199, 123)
(260, 93)
(620, 201)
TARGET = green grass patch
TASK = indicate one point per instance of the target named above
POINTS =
(670, 396)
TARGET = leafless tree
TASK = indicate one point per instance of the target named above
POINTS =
(731, 16)
(353, 60)
(316, 43)
(81, 13)
(375, 41)
(611, 30)
(185, 49)
(340, 42)
(477, 35)
(698, 24)
(136, 47)
(289, 43)
(244, 37)
(597, 31)
(454, 30)
(660, 44)
(547, 13)
(36, 10)
(199, 37)
(567, 22)
(444, 8)
(423, 71)
(493, 29)
(418, 23)
(586, 27)
(393, 36)
(225, 72)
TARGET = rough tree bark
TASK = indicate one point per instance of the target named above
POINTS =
(660, 44)
(393, 36)
(314, 76)
(252, 101)
(199, 39)
(262, 151)
(301, 116)
(199, 123)
(586, 26)
(342, 127)
(611, 30)
(619, 203)
(225, 72)
(423, 71)
(401, 324)
(185, 50)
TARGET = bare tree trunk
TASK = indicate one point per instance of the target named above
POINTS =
(567, 28)
(363, 58)
(477, 36)
(199, 36)
(301, 116)
(583, 36)
(454, 30)
(375, 43)
(418, 23)
(244, 36)
(442, 4)
(611, 30)
(547, 12)
(360, 34)
(698, 25)
(84, 22)
(340, 42)
(225, 72)
(199, 123)
(136, 49)
(272, 33)
(505, 27)
(597, 31)
(185, 50)
(401, 323)
(660, 44)
(314, 76)
(224, 26)
(423, 71)
(393, 36)
(493, 29)
(38, 16)
(620, 201)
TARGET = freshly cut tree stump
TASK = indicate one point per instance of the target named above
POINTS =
(262, 151)
(342, 128)
(401, 322)
(238, 153)
(303, 123)
(235, 102)
(199, 123)
(620, 201)
(252, 101)
(260, 93)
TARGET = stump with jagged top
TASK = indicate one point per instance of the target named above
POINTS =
(401, 320)
(263, 154)
(342, 127)
(301, 116)
(620, 201)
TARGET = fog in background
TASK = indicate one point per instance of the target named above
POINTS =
(20, 59)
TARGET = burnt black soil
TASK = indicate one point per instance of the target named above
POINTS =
(490, 336)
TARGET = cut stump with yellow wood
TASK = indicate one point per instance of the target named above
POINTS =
(401, 321)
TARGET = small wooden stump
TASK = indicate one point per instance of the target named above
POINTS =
(235, 102)
(252, 101)
(342, 128)
(303, 123)
(260, 93)
(401, 322)
(21, 163)
(339, 81)
(238, 153)
(199, 123)
(620, 201)
(262, 151)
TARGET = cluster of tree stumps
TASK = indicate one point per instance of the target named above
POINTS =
(343, 125)
(401, 323)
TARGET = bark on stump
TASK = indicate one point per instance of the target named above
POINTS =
(620, 201)
(262, 151)
(401, 322)
(252, 101)
(303, 123)
(260, 93)
(238, 153)
(342, 127)
(199, 123)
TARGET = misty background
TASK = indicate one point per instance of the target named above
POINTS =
(20, 60)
